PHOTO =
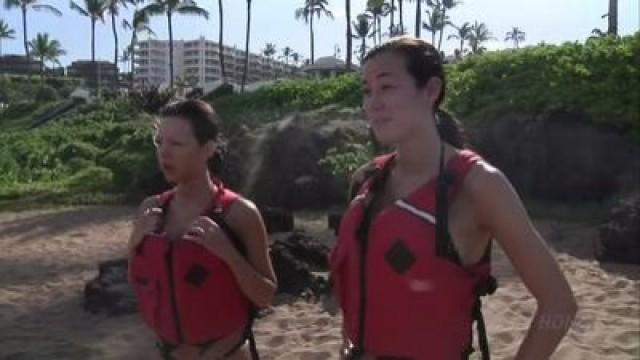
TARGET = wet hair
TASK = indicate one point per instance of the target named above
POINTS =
(204, 123)
(424, 62)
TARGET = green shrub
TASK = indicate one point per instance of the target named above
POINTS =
(94, 178)
(45, 93)
(77, 149)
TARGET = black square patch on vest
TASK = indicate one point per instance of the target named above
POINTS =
(196, 275)
(400, 257)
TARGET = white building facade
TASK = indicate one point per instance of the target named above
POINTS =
(197, 63)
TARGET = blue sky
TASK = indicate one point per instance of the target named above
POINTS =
(551, 21)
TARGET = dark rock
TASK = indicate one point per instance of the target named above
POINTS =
(620, 237)
(110, 292)
(277, 219)
(557, 156)
(294, 259)
(278, 163)
(333, 219)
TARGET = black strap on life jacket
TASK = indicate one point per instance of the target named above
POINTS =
(378, 180)
(444, 249)
(218, 216)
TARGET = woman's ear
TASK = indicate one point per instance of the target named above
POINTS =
(211, 148)
(432, 90)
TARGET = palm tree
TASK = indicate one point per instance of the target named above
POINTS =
(287, 52)
(126, 58)
(246, 47)
(220, 41)
(362, 28)
(378, 9)
(95, 11)
(169, 8)
(139, 24)
(444, 5)
(46, 50)
(311, 8)
(296, 58)
(25, 5)
(5, 33)
(479, 34)
(349, 39)
(434, 22)
(113, 7)
(516, 35)
(269, 50)
(463, 33)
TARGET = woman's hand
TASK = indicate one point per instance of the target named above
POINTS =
(148, 221)
(208, 234)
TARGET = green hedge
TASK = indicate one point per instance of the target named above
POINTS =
(600, 77)
(107, 146)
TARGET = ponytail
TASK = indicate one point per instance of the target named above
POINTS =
(450, 130)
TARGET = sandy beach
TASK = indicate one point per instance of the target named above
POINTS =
(48, 255)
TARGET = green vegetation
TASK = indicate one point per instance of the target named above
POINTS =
(103, 151)
(600, 78)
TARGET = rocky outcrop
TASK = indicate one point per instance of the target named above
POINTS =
(558, 155)
(620, 236)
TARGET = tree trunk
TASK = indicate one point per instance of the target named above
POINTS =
(93, 40)
(115, 37)
(349, 36)
(613, 17)
(220, 44)
(393, 13)
(24, 30)
(418, 17)
(170, 50)
(133, 60)
(311, 35)
(41, 71)
(444, 13)
(401, 16)
(246, 48)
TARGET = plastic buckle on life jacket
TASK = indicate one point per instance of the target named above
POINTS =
(487, 287)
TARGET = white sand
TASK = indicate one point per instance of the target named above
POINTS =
(47, 257)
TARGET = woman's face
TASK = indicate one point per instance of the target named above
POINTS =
(394, 105)
(179, 154)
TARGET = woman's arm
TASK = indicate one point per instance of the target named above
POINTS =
(254, 274)
(501, 212)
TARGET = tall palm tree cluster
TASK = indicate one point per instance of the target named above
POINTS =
(430, 15)
(366, 26)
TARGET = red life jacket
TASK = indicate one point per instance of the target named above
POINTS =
(186, 294)
(400, 296)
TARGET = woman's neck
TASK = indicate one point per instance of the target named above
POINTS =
(419, 155)
(192, 190)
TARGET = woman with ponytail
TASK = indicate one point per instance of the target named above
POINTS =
(198, 255)
(413, 256)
